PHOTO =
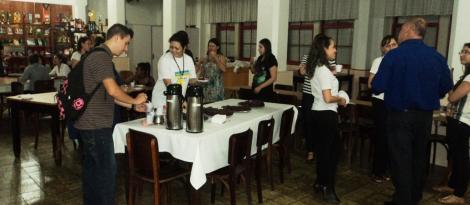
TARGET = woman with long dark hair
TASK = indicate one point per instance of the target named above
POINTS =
(458, 132)
(380, 161)
(212, 68)
(83, 45)
(265, 72)
(324, 86)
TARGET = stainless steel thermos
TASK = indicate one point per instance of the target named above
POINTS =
(194, 113)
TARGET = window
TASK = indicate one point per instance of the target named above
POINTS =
(299, 42)
(342, 33)
(247, 41)
(432, 30)
(226, 36)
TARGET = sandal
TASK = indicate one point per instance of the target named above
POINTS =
(443, 189)
(452, 199)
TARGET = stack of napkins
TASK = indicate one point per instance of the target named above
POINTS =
(25, 97)
(219, 119)
(344, 95)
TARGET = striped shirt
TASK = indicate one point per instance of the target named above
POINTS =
(307, 89)
(462, 108)
(100, 110)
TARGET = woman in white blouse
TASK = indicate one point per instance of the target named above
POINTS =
(83, 45)
(380, 161)
(60, 69)
(324, 86)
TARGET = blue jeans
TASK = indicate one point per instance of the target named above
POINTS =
(99, 167)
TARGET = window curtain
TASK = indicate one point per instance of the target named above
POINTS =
(191, 12)
(316, 10)
(418, 7)
(229, 11)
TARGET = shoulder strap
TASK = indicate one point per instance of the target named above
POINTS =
(95, 49)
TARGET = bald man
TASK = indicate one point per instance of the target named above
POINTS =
(413, 78)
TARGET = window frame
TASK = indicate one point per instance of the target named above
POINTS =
(224, 39)
(340, 24)
(251, 26)
(298, 26)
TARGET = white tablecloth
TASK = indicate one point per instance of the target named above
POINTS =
(208, 151)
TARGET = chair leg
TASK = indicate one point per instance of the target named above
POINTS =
(36, 130)
(248, 186)
(131, 199)
(287, 158)
(281, 164)
(213, 188)
(269, 160)
(350, 148)
(156, 194)
(232, 183)
(434, 154)
(258, 179)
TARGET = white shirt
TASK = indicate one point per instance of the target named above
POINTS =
(62, 72)
(176, 72)
(76, 56)
(323, 79)
(374, 69)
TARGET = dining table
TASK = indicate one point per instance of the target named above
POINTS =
(208, 150)
(39, 103)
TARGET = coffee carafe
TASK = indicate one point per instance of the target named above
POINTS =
(194, 114)
(174, 100)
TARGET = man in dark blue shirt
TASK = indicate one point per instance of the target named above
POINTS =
(413, 77)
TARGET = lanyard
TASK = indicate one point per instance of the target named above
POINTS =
(181, 71)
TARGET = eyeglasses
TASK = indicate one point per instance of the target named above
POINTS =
(464, 52)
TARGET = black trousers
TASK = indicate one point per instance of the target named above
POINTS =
(380, 162)
(307, 121)
(458, 134)
(408, 136)
(328, 146)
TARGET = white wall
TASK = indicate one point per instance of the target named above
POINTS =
(100, 7)
(144, 12)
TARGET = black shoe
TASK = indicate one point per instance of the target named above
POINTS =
(389, 203)
(329, 195)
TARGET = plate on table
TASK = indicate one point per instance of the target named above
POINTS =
(237, 108)
(252, 103)
(211, 111)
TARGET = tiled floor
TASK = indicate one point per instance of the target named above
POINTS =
(34, 179)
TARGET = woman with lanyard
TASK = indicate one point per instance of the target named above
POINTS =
(265, 72)
(174, 67)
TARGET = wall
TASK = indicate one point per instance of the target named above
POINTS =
(144, 12)
(99, 6)
(78, 6)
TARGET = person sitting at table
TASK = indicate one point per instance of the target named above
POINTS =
(174, 67)
(142, 75)
(265, 72)
(324, 88)
(458, 132)
(34, 72)
(380, 161)
(84, 45)
(60, 69)
(212, 68)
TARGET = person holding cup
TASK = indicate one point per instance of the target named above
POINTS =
(324, 88)
(380, 160)
(212, 68)
(265, 72)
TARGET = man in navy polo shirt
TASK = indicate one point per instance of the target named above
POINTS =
(413, 78)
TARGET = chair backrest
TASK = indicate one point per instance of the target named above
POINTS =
(265, 133)
(126, 76)
(239, 147)
(283, 87)
(16, 88)
(286, 125)
(245, 94)
(143, 155)
(42, 86)
(365, 93)
(347, 115)
(287, 99)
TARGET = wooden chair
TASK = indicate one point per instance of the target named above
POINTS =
(145, 166)
(17, 88)
(287, 99)
(364, 92)
(265, 137)
(348, 128)
(435, 139)
(127, 76)
(345, 79)
(285, 141)
(366, 128)
(239, 165)
(245, 94)
(283, 87)
(42, 86)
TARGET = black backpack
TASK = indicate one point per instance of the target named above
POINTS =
(72, 99)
